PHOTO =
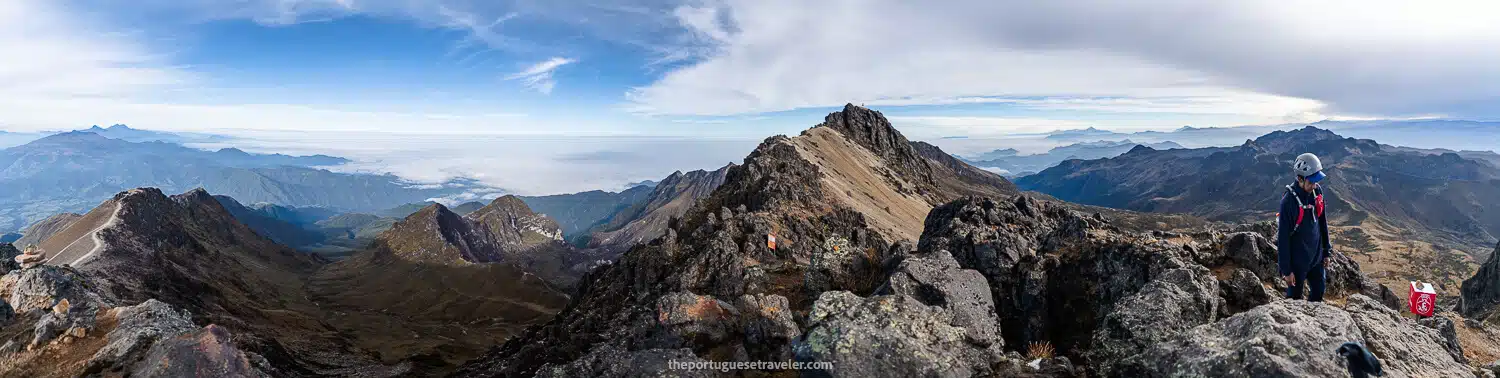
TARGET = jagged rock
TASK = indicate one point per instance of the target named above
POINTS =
(890, 335)
(1242, 291)
(10, 347)
(937, 280)
(1482, 291)
(206, 352)
(1280, 339)
(8, 254)
(1250, 250)
(768, 326)
(691, 320)
(1402, 345)
(612, 361)
(45, 287)
(1446, 329)
(48, 328)
(1176, 301)
(1345, 278)
(137, 328)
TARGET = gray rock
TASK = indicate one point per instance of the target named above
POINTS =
(1250, 250)
(1482, 291)
(1446, 329)
(137, 328)
(768, 326)
(612, 361)
(44, 287)
(10, 347)
(937, 280)
(1345, 278)
(209, 351)
(890, 335)
(1176, 301)
(48, 328)
(8, 255)
(1402, 345)
(1280, 339)
(1242, 291)
(694, 321)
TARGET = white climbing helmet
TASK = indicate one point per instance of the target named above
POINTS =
(1308, 166)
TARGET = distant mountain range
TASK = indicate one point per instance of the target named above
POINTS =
(1010, 164)
(73, 171)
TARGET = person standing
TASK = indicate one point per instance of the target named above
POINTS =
(1302, 242)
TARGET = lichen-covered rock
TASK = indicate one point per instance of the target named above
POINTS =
(137, 328)
(1280, 339)
(937, 280)
(768, 326)
(1402, 345)
(207, 352)
(1242, 291)
(1176, 301)
(1482, 291)
(890, 335)
(612, 361)
(695, 321)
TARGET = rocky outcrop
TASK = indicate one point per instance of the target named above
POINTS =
(137, 329)
(613, 361)
(934, 318)
(8, 254)
(1482, 291)
(1298, 338)
(1175, 301)
(1243, 291)
(206, 352)
(840, 199)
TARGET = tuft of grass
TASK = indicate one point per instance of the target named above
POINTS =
(1040, 350)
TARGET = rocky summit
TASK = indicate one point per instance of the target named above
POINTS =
(847, 248)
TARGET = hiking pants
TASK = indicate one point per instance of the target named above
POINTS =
(1314, 279)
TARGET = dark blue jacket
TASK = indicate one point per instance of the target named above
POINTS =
(1299, 251)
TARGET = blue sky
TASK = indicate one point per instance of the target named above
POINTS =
(737, 68)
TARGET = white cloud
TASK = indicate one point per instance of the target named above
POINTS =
(53, 55)
(538, 77)
(1337, 57)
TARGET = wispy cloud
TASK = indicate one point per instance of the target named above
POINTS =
(538, 77)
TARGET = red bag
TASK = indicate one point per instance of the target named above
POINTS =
(1422, 299)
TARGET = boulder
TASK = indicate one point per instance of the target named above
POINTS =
(48, 328)
(612, 361)
(1481, 292)
(1251, 250)
(693, 321)
(937, 280)
(137, 328)
(1402, 345)
(1243, 291)
(1176, 301)
(207, 352)
(768, 326)
(46, 286)
(890, 335)
(1280, 339)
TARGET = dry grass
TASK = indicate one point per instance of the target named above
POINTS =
(1040, 350)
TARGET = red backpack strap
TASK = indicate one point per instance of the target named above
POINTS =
(1318, 204)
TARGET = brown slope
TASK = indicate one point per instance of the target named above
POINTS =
(437, 275)
(188, 251)
(647, 220)
(811, 191)
(40, 231)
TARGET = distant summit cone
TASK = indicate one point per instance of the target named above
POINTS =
(437, 235)
(514, 224)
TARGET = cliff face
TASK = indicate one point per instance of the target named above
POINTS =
(647, 220)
